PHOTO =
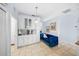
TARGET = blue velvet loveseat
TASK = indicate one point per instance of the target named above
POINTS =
(50, 40)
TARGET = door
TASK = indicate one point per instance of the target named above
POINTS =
(77, 28)
(77, 31)
(4, 31)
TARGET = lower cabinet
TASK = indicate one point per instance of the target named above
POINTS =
(20, 41)
(27, 40)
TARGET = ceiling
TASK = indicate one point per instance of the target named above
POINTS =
(45, 10)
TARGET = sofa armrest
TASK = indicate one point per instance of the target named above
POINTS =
(53, 40)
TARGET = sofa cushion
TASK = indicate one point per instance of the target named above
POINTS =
(44, 35)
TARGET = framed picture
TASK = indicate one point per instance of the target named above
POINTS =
(47, 28)
(53, 26)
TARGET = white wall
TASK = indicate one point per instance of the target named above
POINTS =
(13, 30)
(47, 23)
(67, 31)
(67, 23)
(12, 10)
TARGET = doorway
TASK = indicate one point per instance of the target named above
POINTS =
(13, 30)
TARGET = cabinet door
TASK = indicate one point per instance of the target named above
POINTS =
(20, 41)
(26, 38)
(30, 39)
(35, 39)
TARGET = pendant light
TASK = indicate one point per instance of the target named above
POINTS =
(36, 8)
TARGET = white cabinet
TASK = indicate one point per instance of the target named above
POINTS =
(26, 21)
(26, 40)
(20, 41)
(28, 30)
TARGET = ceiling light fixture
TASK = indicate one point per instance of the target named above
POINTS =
(36, 21)
(36, 8)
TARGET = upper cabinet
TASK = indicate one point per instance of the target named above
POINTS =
(25, 22)
(28, 22)
(28, 25)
